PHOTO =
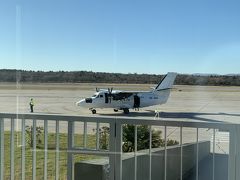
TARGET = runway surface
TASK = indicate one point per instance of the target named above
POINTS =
(193, 103)
(186, 103)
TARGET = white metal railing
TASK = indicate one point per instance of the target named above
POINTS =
(115, 143)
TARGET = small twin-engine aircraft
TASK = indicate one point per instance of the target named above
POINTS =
(125, 100)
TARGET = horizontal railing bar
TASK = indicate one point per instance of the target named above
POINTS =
(79, 150)
(90, 151)
(124, 120)
(173, 123)
(102, 153)
(57, 117)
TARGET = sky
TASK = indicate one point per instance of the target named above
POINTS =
(127, 36)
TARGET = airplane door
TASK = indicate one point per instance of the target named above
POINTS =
(106, 98)
(136, 101)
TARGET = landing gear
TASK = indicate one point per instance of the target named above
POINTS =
(93, 111)
(115, 110)
(126, 111)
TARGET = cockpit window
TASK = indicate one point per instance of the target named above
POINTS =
(88, 100)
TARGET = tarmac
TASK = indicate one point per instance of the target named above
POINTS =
(193, 103)
(186, 103)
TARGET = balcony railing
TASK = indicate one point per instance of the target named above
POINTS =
(15, 125)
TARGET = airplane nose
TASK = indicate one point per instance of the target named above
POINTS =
(80, 103)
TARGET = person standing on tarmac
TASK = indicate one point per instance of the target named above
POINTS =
(31, 104)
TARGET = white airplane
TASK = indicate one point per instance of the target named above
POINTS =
(125, 100)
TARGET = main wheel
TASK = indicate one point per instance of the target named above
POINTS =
(94, 111)
(126, 111)
(115, 110)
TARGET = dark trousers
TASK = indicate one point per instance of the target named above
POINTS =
(31, 107)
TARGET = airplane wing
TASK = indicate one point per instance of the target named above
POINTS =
(133, 92)
(121, 95)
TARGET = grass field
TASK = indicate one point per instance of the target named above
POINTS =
(40, 156)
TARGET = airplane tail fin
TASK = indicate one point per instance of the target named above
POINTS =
(167, 81)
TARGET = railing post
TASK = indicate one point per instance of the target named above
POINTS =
(181, 153)
(118, 164)
(85, 134)
(112, 150)
(234, 154)
(69, 153)
(150, 152)
(2, 148)
(237, 152)
(135, 152)
(165, 153)
(197, 158)
(97, 136)
(12, 149)
(45, 148)
(23, 149)
(213, 167)
(57, 152)
(34, 150)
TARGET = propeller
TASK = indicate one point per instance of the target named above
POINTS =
(110, 90)
(110, 94)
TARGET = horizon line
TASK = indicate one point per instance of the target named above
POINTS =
(196, 74)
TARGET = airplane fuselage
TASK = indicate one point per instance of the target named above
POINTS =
(136, 100)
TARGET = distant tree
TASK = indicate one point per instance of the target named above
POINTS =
(128, 138)
(143, 138)
(99, 77)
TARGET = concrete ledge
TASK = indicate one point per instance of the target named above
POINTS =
(98, 169)
(206, 168)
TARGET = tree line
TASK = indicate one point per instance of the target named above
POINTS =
(7, 75)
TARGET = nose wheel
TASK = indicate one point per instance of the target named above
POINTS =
(93, 111)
